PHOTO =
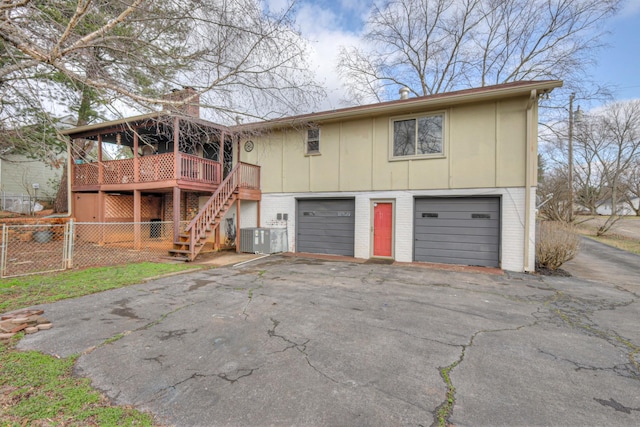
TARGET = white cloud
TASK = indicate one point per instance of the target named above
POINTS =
(326, 34)
(630, 8)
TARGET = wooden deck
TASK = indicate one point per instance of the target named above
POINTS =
(149, 172)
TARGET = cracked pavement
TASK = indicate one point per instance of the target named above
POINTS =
(292, 341)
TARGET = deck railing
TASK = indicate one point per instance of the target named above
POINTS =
(158, 167)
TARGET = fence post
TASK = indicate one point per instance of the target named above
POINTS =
(3, 255)
(69, 235)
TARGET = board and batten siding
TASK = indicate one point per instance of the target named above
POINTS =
(485, 145)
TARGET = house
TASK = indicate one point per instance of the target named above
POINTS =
(24, 176)
(447, 178)
(624, 207)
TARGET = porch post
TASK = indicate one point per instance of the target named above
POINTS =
(137, 218)
(176, 150)
(216, 242)
(102, 200)
(136, 158)
(100, 164)
(238, 225)
(176, 214)
(221, 156)
(258, 225)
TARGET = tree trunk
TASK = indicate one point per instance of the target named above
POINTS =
(60, 204)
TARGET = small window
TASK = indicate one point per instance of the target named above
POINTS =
(419, 136)
(313, 141)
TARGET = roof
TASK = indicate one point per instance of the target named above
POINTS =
(400, 106)
(407, 106)
(92, 128)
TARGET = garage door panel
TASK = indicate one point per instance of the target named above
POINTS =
(460, 205)
(323, 226)
(438, 215)
(326, 226)
(452, 259)
(457, 230)
(476, 247)
(454, 238)
(314, 239)
(466, 223)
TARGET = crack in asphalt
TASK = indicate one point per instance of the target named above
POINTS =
(616, 405)
(301, 347)
(623, 370)
(234, 380)
(167, 335)
(575, 312)
(443, 412)
(120, 335)
(416, 336)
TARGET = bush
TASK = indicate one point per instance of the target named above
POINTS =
(556, 244)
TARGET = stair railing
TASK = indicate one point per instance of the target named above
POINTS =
(197, 228)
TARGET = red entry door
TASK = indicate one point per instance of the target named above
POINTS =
(382, 229)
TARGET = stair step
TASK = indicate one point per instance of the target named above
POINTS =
(179, 251)
(197, 243)
(176, 258)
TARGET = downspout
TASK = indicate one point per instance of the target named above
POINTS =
(528, 181)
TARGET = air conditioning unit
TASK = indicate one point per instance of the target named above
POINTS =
(263, 240)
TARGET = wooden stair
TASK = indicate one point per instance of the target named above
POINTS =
(208, 219)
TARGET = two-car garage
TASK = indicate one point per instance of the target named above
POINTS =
(451, 230)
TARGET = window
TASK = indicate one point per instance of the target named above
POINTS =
(419, 136)
(313, 141)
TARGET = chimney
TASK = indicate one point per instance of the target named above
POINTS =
(404, 93)
(190, 108)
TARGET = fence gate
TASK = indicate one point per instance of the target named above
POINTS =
(31, 249)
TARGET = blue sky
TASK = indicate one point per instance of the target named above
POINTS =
(329, 24)
(619, 63)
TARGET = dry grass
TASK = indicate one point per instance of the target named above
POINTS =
(556, 244)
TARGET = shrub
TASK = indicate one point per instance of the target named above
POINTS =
(556, 244)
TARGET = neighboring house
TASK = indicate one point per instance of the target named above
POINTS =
(624, 208)
(19, 173)
(447, 178)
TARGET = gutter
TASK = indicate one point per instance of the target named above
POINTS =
(533, 98)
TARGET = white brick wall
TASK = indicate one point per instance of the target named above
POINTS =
(512, 219)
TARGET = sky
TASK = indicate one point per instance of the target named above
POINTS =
(329, 24)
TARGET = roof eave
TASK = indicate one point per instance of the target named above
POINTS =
(407, 106)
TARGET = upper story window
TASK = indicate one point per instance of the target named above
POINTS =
(313, 141)
(418, 136)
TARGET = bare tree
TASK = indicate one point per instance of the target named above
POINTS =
(440, 45)
(613, 138)
(631, 186)
(85, 55)
(243, 60)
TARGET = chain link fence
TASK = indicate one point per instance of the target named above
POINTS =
(37, 248)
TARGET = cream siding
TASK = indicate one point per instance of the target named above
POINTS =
(484, 146)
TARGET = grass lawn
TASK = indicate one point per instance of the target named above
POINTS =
(589, 228)
(40, 390)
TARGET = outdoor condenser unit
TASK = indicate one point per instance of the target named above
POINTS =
(263, 240)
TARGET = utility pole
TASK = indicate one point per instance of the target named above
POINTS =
(570, 216)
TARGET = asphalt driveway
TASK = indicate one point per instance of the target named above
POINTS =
(289, 341)
(604, 263)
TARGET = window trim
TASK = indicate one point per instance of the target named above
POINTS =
(445, 135)
(307, 140)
